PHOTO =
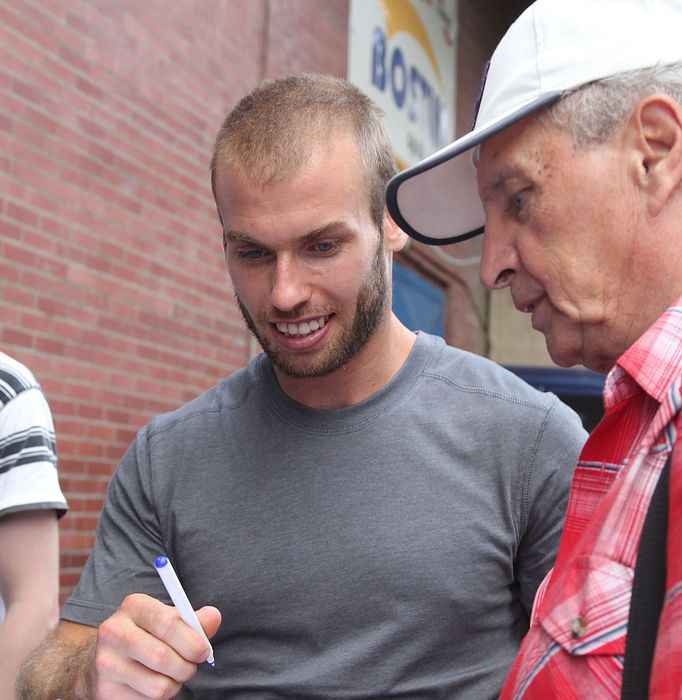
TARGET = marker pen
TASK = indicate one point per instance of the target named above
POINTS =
(180, 600)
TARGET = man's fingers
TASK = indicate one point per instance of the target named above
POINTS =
(131, 680)
(164, 623)
(210, 619)
(143, 647)
(146, 650)
(120, 645)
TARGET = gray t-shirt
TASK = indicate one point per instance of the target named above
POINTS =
(391, 549)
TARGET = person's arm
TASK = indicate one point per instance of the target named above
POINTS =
(548, 485)
(29, 585)
(144, 650)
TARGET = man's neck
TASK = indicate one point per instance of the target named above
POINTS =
(372, 368)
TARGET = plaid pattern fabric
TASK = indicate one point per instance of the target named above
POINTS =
(576, 643)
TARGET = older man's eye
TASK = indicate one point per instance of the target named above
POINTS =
(518, 201)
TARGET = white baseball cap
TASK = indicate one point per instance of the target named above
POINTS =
(554, 46)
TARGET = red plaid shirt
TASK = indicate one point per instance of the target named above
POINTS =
(575, 646)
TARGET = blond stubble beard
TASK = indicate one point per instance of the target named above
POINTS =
(369, 312)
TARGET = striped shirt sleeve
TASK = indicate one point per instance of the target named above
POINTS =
(28, 456)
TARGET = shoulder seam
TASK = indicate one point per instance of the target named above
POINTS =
(6, 398)
(487, 392)
(209, 409)
(531, 466)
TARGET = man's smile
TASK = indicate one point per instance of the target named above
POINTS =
(303, 328)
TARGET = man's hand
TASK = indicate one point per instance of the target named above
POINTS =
(144, 650)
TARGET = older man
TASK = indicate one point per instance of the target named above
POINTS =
(575, 166)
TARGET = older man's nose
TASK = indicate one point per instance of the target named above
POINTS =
(499, 260)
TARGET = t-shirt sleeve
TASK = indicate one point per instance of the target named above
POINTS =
(28, 458)
(548, 481)
(127, 542)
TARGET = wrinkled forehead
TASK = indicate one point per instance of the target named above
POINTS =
(537, 133)
(531, 152)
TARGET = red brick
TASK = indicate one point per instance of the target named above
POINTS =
(21, 214)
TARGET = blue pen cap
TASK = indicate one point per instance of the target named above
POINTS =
(161, 562)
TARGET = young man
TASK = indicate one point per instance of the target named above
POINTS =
(30, 503)
(370, 510)
(577, 154)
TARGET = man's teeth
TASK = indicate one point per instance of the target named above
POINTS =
(301, 328)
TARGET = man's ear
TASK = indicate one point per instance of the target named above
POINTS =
(396, 239)
(657, 121)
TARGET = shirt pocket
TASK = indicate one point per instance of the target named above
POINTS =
(585, 608)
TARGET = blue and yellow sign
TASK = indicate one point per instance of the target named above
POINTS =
(402, 54)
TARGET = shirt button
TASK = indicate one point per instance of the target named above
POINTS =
(578, 627)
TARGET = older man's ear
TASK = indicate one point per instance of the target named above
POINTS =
(656, 127)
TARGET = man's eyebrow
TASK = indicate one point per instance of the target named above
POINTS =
(501, 179)
(238, 237)
(333, 227)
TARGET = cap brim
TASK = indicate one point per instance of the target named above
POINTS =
(436, 201)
